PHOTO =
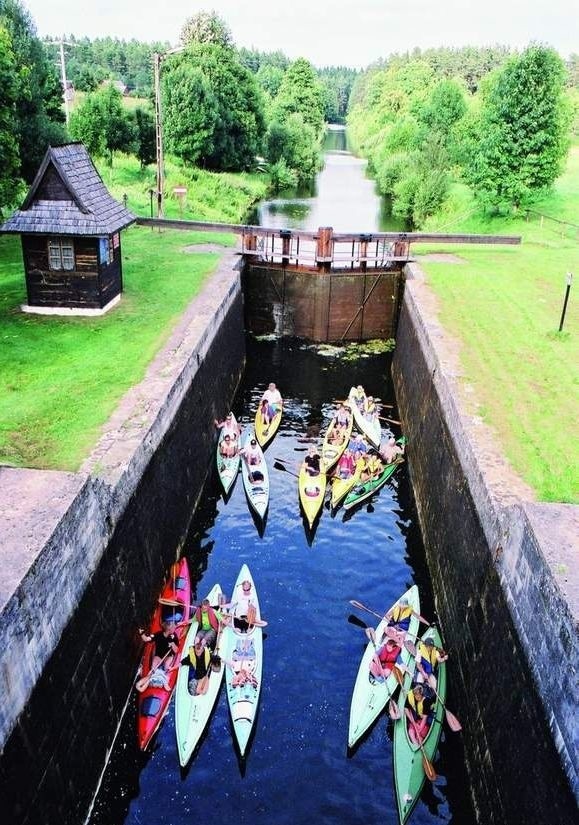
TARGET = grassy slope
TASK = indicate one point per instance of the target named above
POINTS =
(505, 307)
(60, 379)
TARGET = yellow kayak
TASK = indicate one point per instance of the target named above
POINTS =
(312, 490)
(263, 433)
(332, 450)
(342, 486)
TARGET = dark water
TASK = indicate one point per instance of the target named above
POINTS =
(342, 197)
(297, 769)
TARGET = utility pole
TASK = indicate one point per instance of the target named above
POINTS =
(62, 43)
(157, 59)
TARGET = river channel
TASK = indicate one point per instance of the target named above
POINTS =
(298, 769)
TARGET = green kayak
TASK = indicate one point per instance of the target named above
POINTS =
(367, 488)
(370, 697)
(409, 773)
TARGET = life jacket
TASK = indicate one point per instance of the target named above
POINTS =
(421, 707)
(430, 654)
(210, 615)
(194, 659)
(387, 655)
(401, 612)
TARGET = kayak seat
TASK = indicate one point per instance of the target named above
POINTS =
(256, 475)
(150, 706)
(312, 491)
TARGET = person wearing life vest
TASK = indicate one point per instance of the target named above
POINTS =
(384, 660)
(370, 409)
(197, 660)
(428, 657)
(359, 395)
(208, 622)
(398, 620)
(419, 712)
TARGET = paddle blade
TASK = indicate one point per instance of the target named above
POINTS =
(394, 710)
(353, 619)
(428, 767)
(398, 675)
(410, 647)
(453, 722)
(216, 663)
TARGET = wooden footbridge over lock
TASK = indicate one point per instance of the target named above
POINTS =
(324, 286)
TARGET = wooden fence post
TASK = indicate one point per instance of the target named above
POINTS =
(285, 235)
(324, 248)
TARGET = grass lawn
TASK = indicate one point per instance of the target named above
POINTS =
(60, 379)
(504, 304)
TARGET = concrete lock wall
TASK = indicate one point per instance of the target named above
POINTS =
(507, 614)
(97, 545)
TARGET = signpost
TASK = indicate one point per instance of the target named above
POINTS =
(181, 192)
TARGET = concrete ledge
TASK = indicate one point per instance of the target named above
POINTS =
(71, 311)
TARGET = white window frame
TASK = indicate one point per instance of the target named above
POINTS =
(61, 254)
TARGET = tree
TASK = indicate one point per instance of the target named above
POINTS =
(521, 133)
(224, 103)
(8, 143)
(38, 113)
(145, 136)
(300, 92)
(206, 27)
(102, 124)
(296, 143)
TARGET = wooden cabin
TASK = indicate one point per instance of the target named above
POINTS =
(70, 229)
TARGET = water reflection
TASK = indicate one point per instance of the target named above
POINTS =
(343, 196)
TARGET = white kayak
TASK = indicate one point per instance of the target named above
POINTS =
(192, 712)
(370, 696)
(243, 653)
(370, 427)
(227, 467)
(255, 478)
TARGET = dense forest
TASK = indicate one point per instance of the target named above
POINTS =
(496, 119)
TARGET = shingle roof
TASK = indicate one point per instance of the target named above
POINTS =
(90, 209)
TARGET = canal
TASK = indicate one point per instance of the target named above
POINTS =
(298, 769)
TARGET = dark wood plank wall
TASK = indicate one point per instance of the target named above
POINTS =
(80, 287)
(52, 188)
(111, 278)
(321, 306)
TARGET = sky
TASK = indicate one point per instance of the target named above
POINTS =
(340, 32)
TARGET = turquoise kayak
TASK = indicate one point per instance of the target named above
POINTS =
(243, 652)
(370, 697)
(409, 775)
(192, 712)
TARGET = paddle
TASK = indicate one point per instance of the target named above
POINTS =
(453, 722)
(390, 420)
(143, 683)
(361, 606)
(277, 463)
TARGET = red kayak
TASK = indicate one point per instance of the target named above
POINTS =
(153, 702)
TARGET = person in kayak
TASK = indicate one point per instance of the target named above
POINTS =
(312, 461)
(398, 620)
(419, 711)
(428, 657)
(198, 661)
(228, 448)
(343, 416)
(244, 612)
(346, 465)
(384, 659)
(271, 403)
(372, 468)
(358, 446)
(391, 450)
(359, 396)
(166, 643)
(208, 622)
(233, 430)
(370, 409)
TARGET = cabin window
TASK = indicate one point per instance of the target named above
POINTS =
(60, 254)
(106, 251)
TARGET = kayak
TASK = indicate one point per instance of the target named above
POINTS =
(342, 486)
(331, 452)
(370, 698)
(311, 490)
(256, 480)
(365, 489)
(153, 702)
(368, 427)
(192, 712)
(409, 773)
(265, 434)
(243, 653)
(227, 467)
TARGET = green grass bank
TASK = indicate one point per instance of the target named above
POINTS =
(503, 304)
